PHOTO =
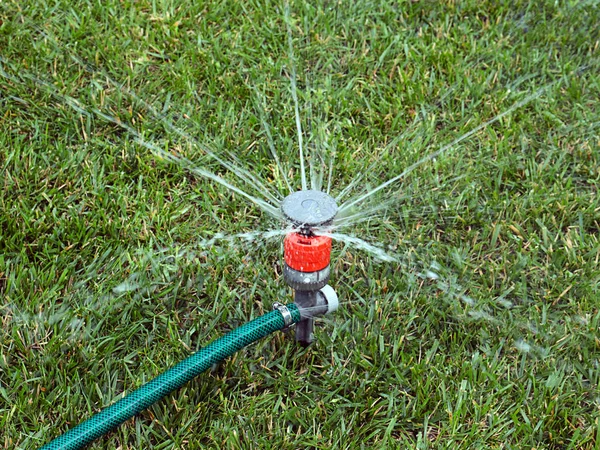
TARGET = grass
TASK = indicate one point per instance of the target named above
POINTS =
(106, 278)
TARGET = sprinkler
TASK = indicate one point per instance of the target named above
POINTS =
(307, 257)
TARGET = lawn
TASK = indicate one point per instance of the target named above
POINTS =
(470, 286)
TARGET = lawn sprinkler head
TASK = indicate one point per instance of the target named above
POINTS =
(309, 209)
(307, 257)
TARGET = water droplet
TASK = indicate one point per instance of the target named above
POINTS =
(523, 346)
(468, 300)
(126, 286)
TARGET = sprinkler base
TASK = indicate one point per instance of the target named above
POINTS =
(313, 304)
(307, 301)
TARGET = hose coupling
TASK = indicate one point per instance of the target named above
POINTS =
(285, 313)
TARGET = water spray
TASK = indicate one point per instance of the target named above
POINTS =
(307, 257)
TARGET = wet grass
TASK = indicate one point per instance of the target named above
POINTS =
(105, 280)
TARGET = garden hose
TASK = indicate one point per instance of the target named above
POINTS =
(174, 378)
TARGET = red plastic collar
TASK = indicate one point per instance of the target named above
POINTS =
(307, 253)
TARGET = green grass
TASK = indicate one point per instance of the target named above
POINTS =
(105, 279)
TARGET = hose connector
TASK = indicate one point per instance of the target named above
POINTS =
(285, 313)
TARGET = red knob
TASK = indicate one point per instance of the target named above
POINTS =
(307, 253)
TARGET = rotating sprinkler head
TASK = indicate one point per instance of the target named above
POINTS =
(307, 257)
(309, 209)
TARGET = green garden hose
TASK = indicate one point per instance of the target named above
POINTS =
(173, 379)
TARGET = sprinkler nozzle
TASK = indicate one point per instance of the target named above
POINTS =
(307, 253)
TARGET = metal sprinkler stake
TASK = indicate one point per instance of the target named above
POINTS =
(307, 257)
